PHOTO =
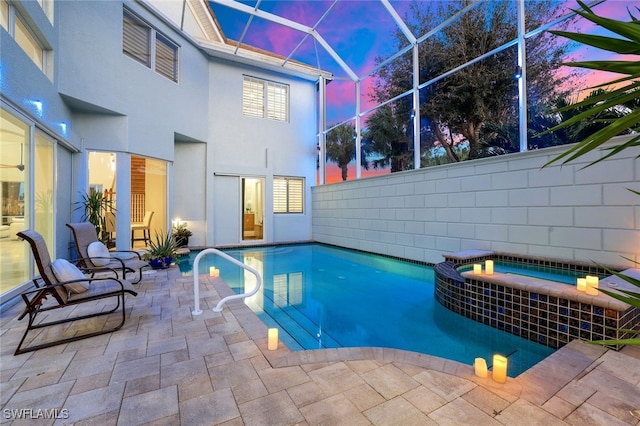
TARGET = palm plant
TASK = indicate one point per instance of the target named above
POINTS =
(94, 207)
(628, 94)
(595, 106)
(341, 146)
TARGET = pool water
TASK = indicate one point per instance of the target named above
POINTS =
(326, 297)
(545, 273)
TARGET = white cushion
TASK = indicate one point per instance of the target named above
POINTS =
(66, 271)
(97, 249)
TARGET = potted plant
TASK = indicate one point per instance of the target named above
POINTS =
(181, 234)
(161, 251)
(94, 208)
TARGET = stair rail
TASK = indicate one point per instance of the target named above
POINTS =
(196, 281)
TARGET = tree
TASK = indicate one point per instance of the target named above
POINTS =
(460, 106)
(341, 146)
(387, 135)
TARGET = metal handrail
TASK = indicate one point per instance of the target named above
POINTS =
(196, 281)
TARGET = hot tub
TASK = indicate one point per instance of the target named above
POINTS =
(547, 312)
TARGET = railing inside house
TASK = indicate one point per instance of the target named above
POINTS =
(137, 208)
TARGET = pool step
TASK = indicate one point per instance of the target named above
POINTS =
(301, 328)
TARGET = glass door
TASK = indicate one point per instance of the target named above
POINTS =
(252, 208)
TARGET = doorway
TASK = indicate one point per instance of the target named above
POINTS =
(252, 208)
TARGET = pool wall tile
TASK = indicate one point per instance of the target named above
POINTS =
(552, 320)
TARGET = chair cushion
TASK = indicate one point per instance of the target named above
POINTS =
(98, 250)
(66, 271)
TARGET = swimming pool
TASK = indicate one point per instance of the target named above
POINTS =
(323, 297)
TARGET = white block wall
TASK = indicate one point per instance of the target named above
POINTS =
(507, 203)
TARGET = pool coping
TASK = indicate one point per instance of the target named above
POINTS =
(538, 384)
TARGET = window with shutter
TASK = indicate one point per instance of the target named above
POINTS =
(136, 39)
(277, 98)
(166, 57)
(262, 99)
(253, 97)
(288, 195)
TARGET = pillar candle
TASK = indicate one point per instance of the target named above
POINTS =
(500, 368)
(272, 341)
(480, 367)
(214, 272)
(488, 266)
(582, 284)
(477, 268)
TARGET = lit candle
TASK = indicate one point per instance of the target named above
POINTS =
(500, 368)
(214, 272)
(480, 366)
(592, 285)
(582, 284)
(477, 268)
(488, 266)
(272, 341)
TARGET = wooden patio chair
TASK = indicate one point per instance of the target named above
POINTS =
(95, 257)
(66, 287)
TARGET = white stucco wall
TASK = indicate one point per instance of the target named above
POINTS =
(256, 147)
(506, 203)
(140, 109)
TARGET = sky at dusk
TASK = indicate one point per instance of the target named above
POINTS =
(359, 31)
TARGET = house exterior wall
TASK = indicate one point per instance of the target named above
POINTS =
(257, 147)
(141, 109)
(110, 102)
(507, 203)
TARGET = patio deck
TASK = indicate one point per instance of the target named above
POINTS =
(166, 366)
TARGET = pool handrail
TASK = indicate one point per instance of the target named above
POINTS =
(196, 281)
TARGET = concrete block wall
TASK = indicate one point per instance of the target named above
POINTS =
(507, 203)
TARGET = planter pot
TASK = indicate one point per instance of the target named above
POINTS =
(182, 241)
(161, 263)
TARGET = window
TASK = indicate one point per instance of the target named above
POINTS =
(28, 43)
(137, 37)
(253, 97)
(166, 57)
(4, 14)
(258, 94)
(288, 195)
(47, 7)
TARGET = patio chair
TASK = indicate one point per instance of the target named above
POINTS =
(67, 287)
(95, 257)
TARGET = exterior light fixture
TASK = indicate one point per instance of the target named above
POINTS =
(518, 73)
(413, 114)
